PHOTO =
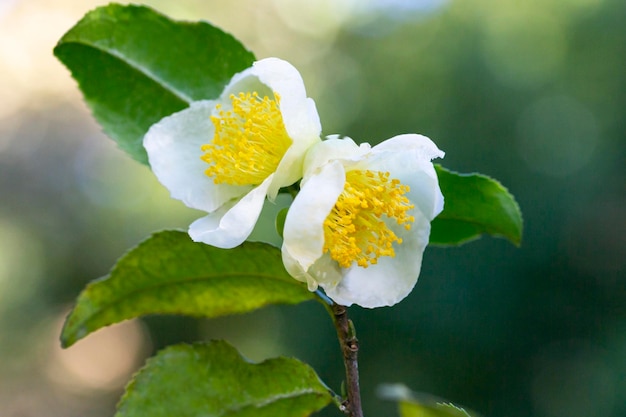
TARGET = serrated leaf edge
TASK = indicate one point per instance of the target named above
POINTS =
(80, 329)
(517, 210)
(273, 399)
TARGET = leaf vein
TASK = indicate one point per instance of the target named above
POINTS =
(142, 69)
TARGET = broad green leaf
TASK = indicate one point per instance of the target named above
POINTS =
(170, 274)
(474, 205)
(136, 66)
(213, 380)
(420, 405)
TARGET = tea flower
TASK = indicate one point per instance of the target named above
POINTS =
(361, 221)
(225, 156)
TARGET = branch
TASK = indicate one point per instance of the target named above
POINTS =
(350, 348)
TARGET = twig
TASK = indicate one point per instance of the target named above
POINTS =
(350, 348)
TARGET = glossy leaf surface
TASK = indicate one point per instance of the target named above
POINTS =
(213, 380)
(170, 274)
(135, 66)
(474, 205)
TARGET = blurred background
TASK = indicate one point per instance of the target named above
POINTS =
(532, 93)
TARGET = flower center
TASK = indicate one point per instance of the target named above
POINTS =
(354, 230)
(249, 142)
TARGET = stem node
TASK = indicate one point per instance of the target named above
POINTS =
(350, 348)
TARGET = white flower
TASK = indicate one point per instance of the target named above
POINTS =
(361, 221)
(225, 156)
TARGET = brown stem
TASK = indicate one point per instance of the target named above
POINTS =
(350, 348)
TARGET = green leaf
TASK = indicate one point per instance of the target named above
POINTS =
(474, 204)
(410, 409)
(213, 380)
(280, 221)
(411, 404)
(170, 274)
(136, 66)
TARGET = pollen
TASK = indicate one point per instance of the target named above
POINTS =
(249, 142)
(355, 230)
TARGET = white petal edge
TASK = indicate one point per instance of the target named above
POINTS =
(303, 233)
(284, 79)
(173, 146)
(332, 149)
(231, 224)
(391, 280)
(400, 143)
(412, 168)
(299, 112)
(299, 115)
(290, 168)
(408, 158)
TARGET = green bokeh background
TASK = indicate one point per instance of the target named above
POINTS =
(532, 93)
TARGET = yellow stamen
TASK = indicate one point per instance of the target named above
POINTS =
(249, 142)
(354, 230)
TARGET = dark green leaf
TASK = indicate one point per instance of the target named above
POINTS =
(170, 274)
(213, 380)
(420, 405)
(474, 204)
(136, 66)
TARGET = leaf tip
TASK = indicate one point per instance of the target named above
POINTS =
(71, 334)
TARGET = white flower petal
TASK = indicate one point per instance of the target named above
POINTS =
(243, 82)
(426, 147)
(412, 168)
(232, 224)
(299, 115)
(408, 159)
(304, 226)
(174, 151)
(294, 269)
(299, 112)
(391, 279)
(173, 146)
(332, 149)
(290, 167)
(324, 271)
(425, 193)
